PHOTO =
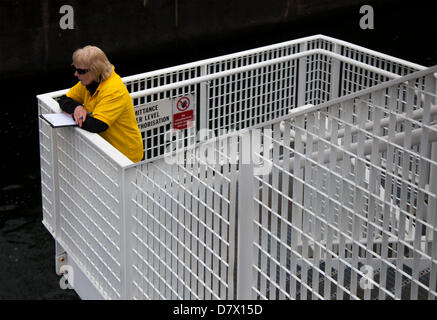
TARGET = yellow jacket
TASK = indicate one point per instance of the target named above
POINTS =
(112, 104)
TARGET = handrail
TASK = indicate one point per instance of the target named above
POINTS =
(219, 58)
(270, 47)
(398, 118)
(100, 143)
(177, 85)
(375, 53)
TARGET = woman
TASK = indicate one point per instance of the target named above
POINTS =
(100, 102)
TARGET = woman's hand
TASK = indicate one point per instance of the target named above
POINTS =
(80, 114)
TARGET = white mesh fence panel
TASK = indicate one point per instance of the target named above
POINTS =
(90, 226)
(47, 168)
(250, 98)
(183, 228)
(348, 211)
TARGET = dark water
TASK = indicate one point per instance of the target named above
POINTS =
(27, 250)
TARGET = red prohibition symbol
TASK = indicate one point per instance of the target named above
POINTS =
(183, 103)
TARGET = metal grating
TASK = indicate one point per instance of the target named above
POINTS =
(182, 230)
(351, 185)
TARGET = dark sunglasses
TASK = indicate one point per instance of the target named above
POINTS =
(80, 71)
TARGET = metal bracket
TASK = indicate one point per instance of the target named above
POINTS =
(61, 260)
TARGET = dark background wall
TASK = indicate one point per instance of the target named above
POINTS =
(33, 41)
(138, 36)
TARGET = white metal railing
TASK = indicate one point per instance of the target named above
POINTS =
(158, 229)
(297, 222)
(343, 202)
(318, 68)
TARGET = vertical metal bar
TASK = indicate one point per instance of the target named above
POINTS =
(274, 206)
(291, 84)
(432, 205)
(184, 179)
(265, 99)
(222, 227)
(256, 94)
(335, 73)
(404, 192)
(246, 212)
(127, 211)
(161, 205)
(157, 216)
(320, 197)
(168, 198)
(373, 188)
(218, 195)
(281, 106)
(308, 218)
(203, 107)
(423, 178)
(212, 98)
(432, 219)
(202, 229)
(296, 211)
(195, 224)
(301, 82)
(345, 192)
(227, 112)
(330, 219)
(55, 187)
(284, 252)
(388, 185)
(266, 239)
(214, 221)
(321, 66)
(188, 223)
(243, 99)
(359, 201)
(232, 214)
(248, 100)
(208, 221)
(179, 231)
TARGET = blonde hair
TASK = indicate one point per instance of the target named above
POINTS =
(94, 59)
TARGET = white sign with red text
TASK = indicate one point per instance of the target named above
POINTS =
(183, 112)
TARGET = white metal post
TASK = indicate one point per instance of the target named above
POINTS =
(432, 202)
(301, 81)
(432, 220)
(55, 186)
(245, 219)
(335, 74)
(127, 210)
(203, 107)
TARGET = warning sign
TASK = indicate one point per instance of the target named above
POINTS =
(183, 112)
(154, 114)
